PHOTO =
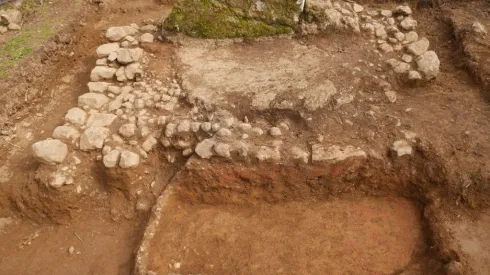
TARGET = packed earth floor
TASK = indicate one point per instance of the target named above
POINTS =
(358, 143)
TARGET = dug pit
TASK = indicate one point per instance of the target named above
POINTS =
(340, 236)
(351, 217)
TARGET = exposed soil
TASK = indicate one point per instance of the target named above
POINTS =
(101, 246)
(422, 215)
(344, 236)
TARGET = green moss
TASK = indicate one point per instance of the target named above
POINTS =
(211, 19)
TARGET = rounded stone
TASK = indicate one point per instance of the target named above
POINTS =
(50, 151)
(129, 159)
(275, 132)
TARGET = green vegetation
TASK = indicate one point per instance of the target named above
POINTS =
(16, 48)
(212, 19)
(29, 7)
(21, 45)
(13, 51)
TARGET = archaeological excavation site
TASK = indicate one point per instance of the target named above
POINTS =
(242, 137)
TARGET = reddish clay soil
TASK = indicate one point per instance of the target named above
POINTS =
(341, 236)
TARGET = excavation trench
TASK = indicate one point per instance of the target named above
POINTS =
(354, 217)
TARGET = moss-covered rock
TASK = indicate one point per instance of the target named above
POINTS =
(233, 18)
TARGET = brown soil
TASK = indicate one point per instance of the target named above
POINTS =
(101, 246)
(343, 236)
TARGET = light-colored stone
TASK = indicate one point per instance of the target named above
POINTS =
(187, 152)
(170, 130)
(10, 16)
(204, 149)
(148, 28)
(136, 54)
(275, 132)
(391, 95)
(257, 131)
(133, 70)
(402, 68)
(93, 100)
(195, 126)
(334, 153)
(266, 153)
(206, 126)
(300, 155)
(112, 57)
(105, 50)
(57, 180)
(124, 56)
(14, 27)
(399, 36)
(111, 159)
(401, 148)
(386, 13)
(386, 48)
(428, 63)
(357, 8)
(411, 37)
(184, 126)
(114, 89)
(102, 72)
(101, 120)
(244, 126)
(319, 96)
(118, 33)
(76, 116)
(149, 144)
(65, 133)
(398, 66)
(101, 62)
(139, 104)
(223, 132)
(380, 31)
(50, 151)
(479, 29)
(407, 58)
(215, 127)
(147, 38)
(129, 159)
(419, 47)
(408, 24)
(127, 130)
(222, 149)
(93, 138)
(145, 131)
(414, 75)
(106, 149)
(97, 87)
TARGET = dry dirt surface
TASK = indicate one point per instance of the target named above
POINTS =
(345, 236)
(368, 174)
